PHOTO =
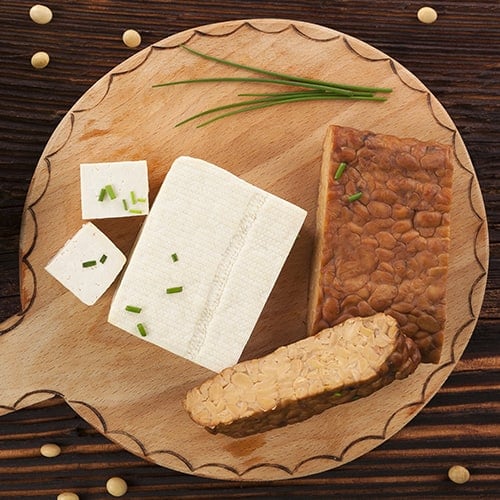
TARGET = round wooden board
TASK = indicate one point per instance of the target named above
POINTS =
(132, 391)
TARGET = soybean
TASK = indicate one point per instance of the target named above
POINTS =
(50, 450)
(40, 60)
(458, 474)
(68, 495)
(427, 15)
(40, 14)
(131, 38)
(116, 486)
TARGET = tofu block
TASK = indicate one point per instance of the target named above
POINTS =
(87, 264)
(114, 189)
(231, 240)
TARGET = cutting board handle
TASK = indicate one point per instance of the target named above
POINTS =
(16, 363)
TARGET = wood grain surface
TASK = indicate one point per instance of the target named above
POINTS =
(455, 58)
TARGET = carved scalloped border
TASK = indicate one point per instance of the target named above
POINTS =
(239, 474)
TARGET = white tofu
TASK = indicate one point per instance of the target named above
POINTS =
(88, 245)
(231, 239)
(129, 183)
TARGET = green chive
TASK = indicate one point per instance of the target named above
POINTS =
(125, 204)
(89, 263)
(313, 89)
(134, 211)
(337, 394)
(102, 194)
(133, 198)
(264, 103)
(103, 258)
(141, 329)
(174, 257)
(110, 191)
(284, 76)
(141, 200)
(174, 289)
(340, 171)
(133, 309)
(355, 197)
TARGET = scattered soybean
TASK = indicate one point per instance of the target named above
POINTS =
(40, 60)
(427, 15)
(40, 14)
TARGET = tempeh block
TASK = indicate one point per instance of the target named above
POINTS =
(297, 381)
(388, 250)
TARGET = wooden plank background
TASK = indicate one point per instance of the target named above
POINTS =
(457, 58)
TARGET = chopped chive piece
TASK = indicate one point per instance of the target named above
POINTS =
(103, 258)
(174, 289)
(355, 196)
(337, 394)
(340, 171)
(141, 329)
(133, 211)
(174, 257)
(110, 191)
(133, 309)
(89, 263)
(133, 198)
(141, 200)
(125, 204)
(102, 195)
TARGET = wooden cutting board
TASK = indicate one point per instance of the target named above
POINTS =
(132, 391)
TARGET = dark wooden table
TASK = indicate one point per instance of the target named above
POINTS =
(457, 58)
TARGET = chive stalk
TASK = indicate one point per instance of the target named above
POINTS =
(284, 76)
(264, 103)
(110, 191)
(103, 258)
(175, 258)
(174, 289)
(102, 194)
(141, 200)
(355, 196)
(133, 198)
(312, 89)
(142, 329)
(89, 263)
(125, 204)
(340, 171)
(133, 309)
(135, 211)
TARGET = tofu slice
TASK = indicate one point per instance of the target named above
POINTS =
(127, 194)
(231, 240)
(87, 264)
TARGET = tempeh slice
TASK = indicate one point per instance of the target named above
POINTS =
(388, 250)
(297, 381)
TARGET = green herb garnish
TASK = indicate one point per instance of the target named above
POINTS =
(312, 89)
(174, 257)
(337, 394)
(355, 196)
(102, 194)
(133, 198)
(125, 204)
(141, 200)
(141, 329)
(103, 258)
(174, 289)
(135, 211)
(111, 192)
(133, 309)
(340, 171)
(89, 263)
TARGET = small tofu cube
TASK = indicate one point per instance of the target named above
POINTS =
(87, 264)
(115, 189)
(204, 264)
